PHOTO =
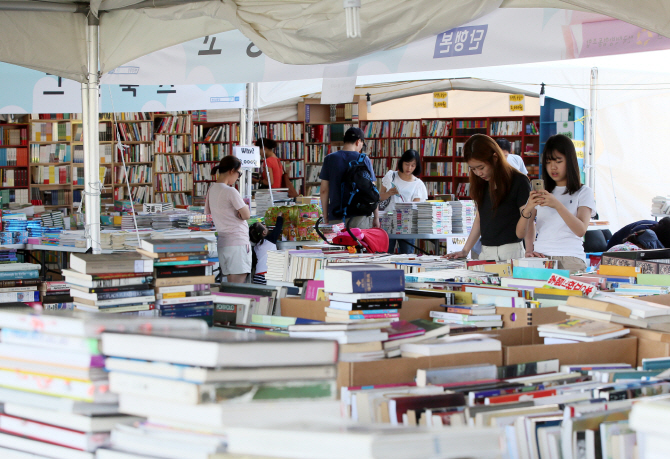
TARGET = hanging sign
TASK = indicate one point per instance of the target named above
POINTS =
(440, 99)
(250, 156)
(517, 102)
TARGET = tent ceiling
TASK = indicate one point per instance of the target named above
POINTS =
(289, 31)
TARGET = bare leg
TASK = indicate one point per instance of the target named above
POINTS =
(237, 278)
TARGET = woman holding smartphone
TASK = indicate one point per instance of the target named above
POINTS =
(230, 214)
(403, 185)
(500, 192)
(563, 209)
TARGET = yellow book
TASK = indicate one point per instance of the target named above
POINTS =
(501, 269)
(628, 271)
(462, 297)
(596, 305)
(556, 291)
(52, 174)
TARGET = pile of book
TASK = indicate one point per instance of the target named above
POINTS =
(463, 216)
(182, 276)
(479, 316)
(433, 218)
(53, 384)
(19, 282)
(239, 305)
(264, 201)
(56, 295)
(580, 330)
(113, 283)
(192, 387)
(406, 218)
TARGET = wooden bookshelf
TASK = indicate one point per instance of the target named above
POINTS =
(290, 138)
(173, 158)
(211, 142)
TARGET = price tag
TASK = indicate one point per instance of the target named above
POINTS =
(440, 99)
(250, 156)
(517, 102)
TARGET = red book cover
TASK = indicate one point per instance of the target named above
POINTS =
(520, 397)
(400, 405)
(403, 329)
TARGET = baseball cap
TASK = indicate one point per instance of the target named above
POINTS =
(353, 134)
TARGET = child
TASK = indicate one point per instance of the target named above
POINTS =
(265, 241)
(563, 209)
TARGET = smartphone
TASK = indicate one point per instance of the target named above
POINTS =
(537, 185)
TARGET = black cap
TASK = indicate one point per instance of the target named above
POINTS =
(353, 134)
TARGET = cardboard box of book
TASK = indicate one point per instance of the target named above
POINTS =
(524, 344)
(526, 317)
(412, 309)
(651, 344)
(403, 369)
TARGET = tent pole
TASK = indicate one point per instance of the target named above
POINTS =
(249, 140)
(243, 141)
(92, 187)
(590, 159)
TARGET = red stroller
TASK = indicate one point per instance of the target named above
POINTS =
(373, 240)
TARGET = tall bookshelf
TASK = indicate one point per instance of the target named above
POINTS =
(51, 172)
(211, 142)
(14, 169)
(290, 138)
(135, 133)
(173, 158)
(325, 125)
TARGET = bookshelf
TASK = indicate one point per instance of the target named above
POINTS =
(173, 159)
(211, 142)
(325, 125)
(290, 138)
(575, 128)
(51, 171)
(14, 169)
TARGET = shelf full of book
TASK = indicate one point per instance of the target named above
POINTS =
(14, 170)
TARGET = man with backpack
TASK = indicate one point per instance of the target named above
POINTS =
(348, 189)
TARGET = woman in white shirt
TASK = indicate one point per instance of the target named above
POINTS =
(563, 210)
(403, 185)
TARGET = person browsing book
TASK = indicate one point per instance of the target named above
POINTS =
(403, 185)
(271, 167)
(515, 161)
(563, 209)
(500, 192)
(333, 171)
(230, 214)
(264, 241)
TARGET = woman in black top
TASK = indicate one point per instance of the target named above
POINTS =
(500, 192)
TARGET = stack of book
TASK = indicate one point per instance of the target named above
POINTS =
(463, 216)
(193, 386)
(56, 295)
(264, 201)
(446, 345)
(481, 316)
(183, 274)
(433, 218)
(406, 218)
(53, 384)
(580, 330)
(114, 283)
(631, 312)
(18, 283)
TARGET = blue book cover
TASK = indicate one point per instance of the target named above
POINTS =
(543, 274)
(202, 312)
(363, 279)
(11, 275)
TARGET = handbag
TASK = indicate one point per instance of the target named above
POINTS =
(385, 203)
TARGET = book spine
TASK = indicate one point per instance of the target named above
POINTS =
(373, 316)
(19, 275)
(8, 297)
(125, 294)
(183, 272)
(172, 248)
(199, 312)
(61, 387)
(376, 305)
(35, 338)
(195, 304)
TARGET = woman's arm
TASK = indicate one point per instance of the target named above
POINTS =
(474, 236)
(579, 223)
(385, 194)
(244, 213)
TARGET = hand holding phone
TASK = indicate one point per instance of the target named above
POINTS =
(537, 185)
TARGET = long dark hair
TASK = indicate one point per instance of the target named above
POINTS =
(483, 148)
(408, 157)
(228, 163)
(563, 145)
(662, 230)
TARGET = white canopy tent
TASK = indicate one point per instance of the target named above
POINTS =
(77, 40)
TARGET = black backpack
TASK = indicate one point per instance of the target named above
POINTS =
(359, 193)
